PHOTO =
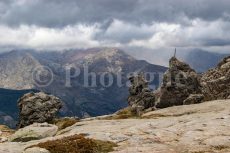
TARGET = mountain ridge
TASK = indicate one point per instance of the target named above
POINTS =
(202, 60)
(78, 100)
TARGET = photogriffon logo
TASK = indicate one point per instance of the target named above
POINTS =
(42, 76)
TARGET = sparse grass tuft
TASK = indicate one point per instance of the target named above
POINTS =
(220, 147)
(124, 114)
(63, 123)
(77, 144)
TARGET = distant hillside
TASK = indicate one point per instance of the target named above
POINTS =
(202, 60)
(16, 69)
(8, 105)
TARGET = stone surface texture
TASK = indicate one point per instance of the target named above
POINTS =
(198, 128)
(37, 108)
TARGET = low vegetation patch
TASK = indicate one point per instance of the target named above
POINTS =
(124, 114)
(63, 123)
(220, 147)
(77, 144)
(5, 128)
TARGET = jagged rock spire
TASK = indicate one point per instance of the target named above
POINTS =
(178, 83)
(141, 97)
(174, 53)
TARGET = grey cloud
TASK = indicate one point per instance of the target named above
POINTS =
(60, 13)
(41, 13)
(122, 32)
(87, 23)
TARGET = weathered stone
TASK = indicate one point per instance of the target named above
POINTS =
(35, 131)
(36, 150)
(3, 139)
(218, 141)
(178, 83)
(37, 108)
(141, 97)
(181, 85)
(5, 132)
(194, 99)
(216, 82)
(201, 128)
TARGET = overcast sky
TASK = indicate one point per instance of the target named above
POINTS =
(139, 25)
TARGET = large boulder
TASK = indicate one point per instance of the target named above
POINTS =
(35, 131)
(216, 82)
(141, 97)
(37, 108)
(179, 81)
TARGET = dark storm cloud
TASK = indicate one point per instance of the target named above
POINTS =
(60, 13)
(140, 24)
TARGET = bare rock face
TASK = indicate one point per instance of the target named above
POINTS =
(37, 108)
(5, 133)
(178, 83)
(201, 128)
(216, 82)
(181, 86)
(35, 131)
(141, 97)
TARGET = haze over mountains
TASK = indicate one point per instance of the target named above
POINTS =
(199, 59)
(202, 60)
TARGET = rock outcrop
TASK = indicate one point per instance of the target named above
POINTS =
(5, 132)
(35, 131)
(181, 86)
(37, 108)
(178, 83)
(216, 82)
(201, 128)
(141, 97)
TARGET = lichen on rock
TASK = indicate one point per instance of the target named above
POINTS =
(216, 81)
(37, 108)
(141, 97)
(179, 81)
(35, 131)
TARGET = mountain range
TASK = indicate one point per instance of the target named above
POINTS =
(202, 60)
(17, 69)
(17, 73)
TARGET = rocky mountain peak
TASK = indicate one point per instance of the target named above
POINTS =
(16, 70)
(174, 63)
(108, 54)
(78, 99)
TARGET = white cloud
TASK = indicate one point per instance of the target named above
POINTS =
(78, 36)
(197, 34)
